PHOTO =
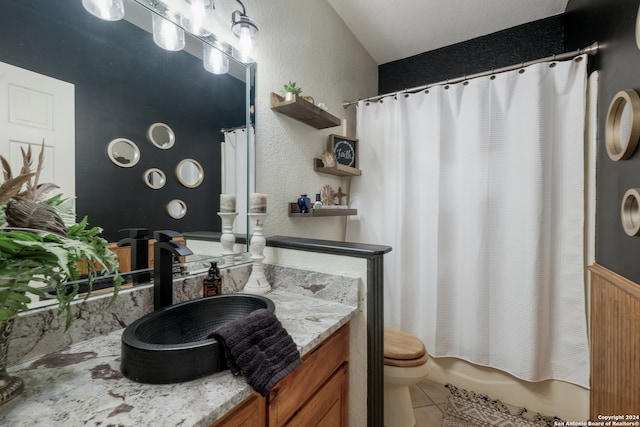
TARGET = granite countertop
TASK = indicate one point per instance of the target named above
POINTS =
(82, 385)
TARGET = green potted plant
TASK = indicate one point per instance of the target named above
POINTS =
(291, 89)
(40, 241)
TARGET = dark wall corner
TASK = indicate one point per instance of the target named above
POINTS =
(518, 44)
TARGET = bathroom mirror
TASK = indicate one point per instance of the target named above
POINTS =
(161, 135)
(190, 173)
(123, 152)
(622, 126)
(122, 84)
(176, 209)
(154, 178)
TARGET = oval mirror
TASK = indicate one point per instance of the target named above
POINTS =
(190, 173)
(176, 209)
(154, 178)
(622, 126)
(123, 152)
(161, 135)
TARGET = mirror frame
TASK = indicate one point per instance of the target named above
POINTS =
(630, 212)
(612, 133)
(129, 142)
(181, 204)
(199, 168)
(170, 133)
(145, 178)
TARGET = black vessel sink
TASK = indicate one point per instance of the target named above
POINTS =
(170, 345)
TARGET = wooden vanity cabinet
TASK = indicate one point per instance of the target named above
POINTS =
(250, 413)
(315, 394)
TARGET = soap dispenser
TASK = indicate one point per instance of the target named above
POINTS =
(212, 284)
(318, 202)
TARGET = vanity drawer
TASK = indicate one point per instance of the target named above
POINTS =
(301, 386)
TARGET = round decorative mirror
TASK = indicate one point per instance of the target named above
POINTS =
(622, 127)
(630, 212)
(190, 173)
(154, 178)
(176, 209)
(161, 135)
(123, 152)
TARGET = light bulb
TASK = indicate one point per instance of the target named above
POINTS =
(166, 34)
(214, 61)
(109, 10)
(198, 12)
(246, 44)
(245, 52)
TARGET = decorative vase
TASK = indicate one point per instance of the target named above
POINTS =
(257, 283)
(10, 386)
(227, 239)
(304, 203)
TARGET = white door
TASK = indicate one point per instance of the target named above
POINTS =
(33, 108)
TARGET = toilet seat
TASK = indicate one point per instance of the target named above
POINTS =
(402, 349)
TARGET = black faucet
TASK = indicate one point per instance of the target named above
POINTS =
(164, 251)
(139, 241)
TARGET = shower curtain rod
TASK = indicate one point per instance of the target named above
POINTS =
(591, 50)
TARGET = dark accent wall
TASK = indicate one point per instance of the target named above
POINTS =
(124, 83)
(612, 24)
(511, 46)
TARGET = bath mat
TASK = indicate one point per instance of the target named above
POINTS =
(467, 409)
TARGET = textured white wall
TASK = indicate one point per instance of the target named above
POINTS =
(305, 42)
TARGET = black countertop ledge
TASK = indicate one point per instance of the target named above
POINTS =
(358, 250)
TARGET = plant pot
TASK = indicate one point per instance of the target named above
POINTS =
(289, 96)
(10, 386)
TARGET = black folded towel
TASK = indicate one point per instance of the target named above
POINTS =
(259, 348)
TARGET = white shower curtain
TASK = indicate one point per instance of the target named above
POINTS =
(478, 188)
(234, 170)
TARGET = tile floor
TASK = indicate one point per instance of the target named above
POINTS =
(428, 400)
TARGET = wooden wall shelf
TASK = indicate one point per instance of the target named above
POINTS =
(338, 169)
(304, 112)
(294, 211)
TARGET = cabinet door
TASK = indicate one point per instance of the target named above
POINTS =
(286, 398)
(329, 407)
(251, 413)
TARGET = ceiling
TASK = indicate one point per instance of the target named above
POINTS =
(396, 29)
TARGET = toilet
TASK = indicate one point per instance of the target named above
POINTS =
(406, 362)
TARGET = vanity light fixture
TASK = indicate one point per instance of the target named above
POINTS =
(214, 60)
(109, 10)
(166, 34)
(169, 28)
(246, 30)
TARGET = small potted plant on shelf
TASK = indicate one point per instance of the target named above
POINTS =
(40, 242)
(291, 89)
